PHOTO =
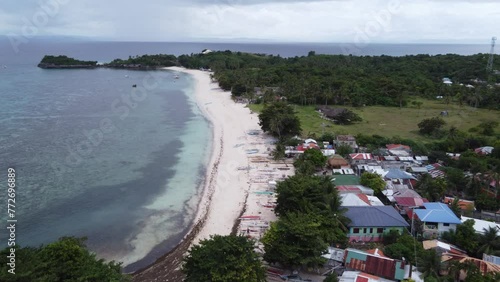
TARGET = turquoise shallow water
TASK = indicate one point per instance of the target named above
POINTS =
(98, 158)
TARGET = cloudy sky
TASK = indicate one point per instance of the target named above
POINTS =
(453, 21)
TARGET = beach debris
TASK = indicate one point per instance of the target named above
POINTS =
(267, 205)
(252, 151)
(238, 145)
(245, 168)
(253, 132)
(264, 192)
(250, 217)
(258, 159)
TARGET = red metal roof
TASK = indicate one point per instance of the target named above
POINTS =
(410, 201)
(361, 279)
(361, 156)
(348, 188)
(379, 266)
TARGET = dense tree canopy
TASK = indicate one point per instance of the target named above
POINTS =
(159, 60)
(295, 240)
(465, 237)
(223, 259)
(431, 126)
(344, 150)
(65, 61)
(432, 189)
(405, 247)
(373, 181)
(429, 263)
(65, 260)
(304, 203)
(344, 80)
(306, 194)
(310, 161)
(280, 120)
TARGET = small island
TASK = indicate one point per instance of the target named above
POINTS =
(64, 62)
(145, 62)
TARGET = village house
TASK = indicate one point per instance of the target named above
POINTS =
(338, 162)
(374, 264)
(346, 179)
(484, 266)
(354, 189)
(397, 176)
(464, 205)
(370, 223)
(437, 218)
(442, 248)
(347, 140)
(405, 204)
(398, 147)
(360, 158)
(359, 276)
(480, 225)
(359, 200)
(392, 191)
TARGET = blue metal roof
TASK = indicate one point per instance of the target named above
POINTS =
(375, 216)
(398, 174)
(437, 213)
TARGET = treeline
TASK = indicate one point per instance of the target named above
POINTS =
(350, 80)
(160, 60)
(65, 61)
(67, 259)
(337, 79)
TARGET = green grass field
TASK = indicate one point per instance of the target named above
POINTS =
(392, 121)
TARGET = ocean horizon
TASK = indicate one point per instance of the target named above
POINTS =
(123, 167)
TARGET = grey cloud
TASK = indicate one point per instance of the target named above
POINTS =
(293, 20)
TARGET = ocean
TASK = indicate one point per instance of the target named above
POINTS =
(121, 166)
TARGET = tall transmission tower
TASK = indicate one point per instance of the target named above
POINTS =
(489, 67)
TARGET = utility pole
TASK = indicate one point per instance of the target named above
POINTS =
(489, 67)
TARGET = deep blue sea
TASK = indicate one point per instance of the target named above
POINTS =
(120, 165)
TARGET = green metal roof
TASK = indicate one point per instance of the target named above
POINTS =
(342, 179)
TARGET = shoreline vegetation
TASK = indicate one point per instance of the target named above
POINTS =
(311, 80)
(145, 62)
(315, 79)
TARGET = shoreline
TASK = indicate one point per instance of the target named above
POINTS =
(224, 192)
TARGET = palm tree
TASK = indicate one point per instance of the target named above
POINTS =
(489, 242)
(429, 263)
(455, 207)
(476, 97)
(276, 125)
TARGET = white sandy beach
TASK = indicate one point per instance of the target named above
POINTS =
(237, 179)
(226, 187)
